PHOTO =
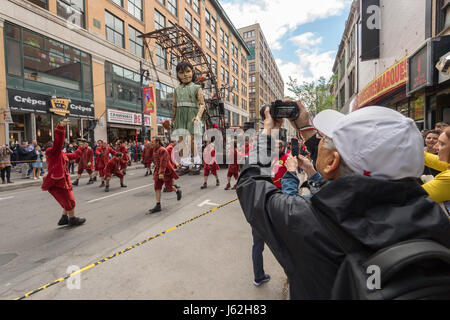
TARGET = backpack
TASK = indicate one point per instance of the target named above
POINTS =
(417, 269)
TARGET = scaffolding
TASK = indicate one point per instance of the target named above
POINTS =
(177, 43)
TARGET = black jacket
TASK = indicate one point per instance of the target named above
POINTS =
(377, 213)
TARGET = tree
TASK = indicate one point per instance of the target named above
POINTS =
(316, 96)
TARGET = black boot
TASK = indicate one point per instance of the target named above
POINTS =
(228, 186)
(64, 220)
(157, 208)
(122, 185)
(102, 185)
(217, 183)
(204, 186)
(91, 181)
(146, 174)
(179, 194)
(75, 183)
(95, 179)
(107, 189)
(234, 187)
(75, 221)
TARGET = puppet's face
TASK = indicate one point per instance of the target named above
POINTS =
(185, 76)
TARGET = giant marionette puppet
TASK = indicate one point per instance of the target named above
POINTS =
(187, 110)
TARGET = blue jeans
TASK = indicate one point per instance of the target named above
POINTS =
(257, 255)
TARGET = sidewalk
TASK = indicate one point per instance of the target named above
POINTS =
(20, 183)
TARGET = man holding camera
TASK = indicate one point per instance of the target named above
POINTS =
(370, 161)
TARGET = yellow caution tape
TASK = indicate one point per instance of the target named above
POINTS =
(121, 252)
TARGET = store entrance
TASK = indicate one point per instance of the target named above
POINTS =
(15, 136)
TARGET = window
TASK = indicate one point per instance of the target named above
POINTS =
(163, 2)
(72, 11)
(249, 34)
(222, 35)
(173, 7)
(214, 66)
(243, 61)
(208, 40)
(118, 2)
(214, 45)
(342, 96)
(135, 8)
(227, 77)
(123, 85)
(442, 15)
(243, 90)
(173, 63)
(164, 98)
(244, 76)
(136, 44)
(251, 89)
(251, 67)
(114, 30)
(235, 67)
(41, 3)
(235, 84)
(250, 44)
(252, 78)
(196, 28)
(160, 20)
(235, 51)
(351, 83)
(196, 6)
(244, 106)
(222, 74)
(208, 17)
(34, 57)
(226, 40)
(188, 20)
(342, 67)
(213, 25)
(161, 57)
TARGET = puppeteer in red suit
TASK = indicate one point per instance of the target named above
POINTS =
(163, 174)
(57, 181)
(85, 162)
(102, 153)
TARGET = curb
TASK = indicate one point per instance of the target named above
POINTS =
(31, 183)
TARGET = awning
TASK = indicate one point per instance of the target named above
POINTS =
(125, 126)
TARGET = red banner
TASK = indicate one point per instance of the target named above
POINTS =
(149, 99)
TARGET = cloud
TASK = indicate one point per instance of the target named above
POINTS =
(309, 66)
(306, 40)
(279, 17)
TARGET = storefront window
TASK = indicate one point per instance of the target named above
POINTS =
(75, 130)
(123, 85)
(43, 129)
(164, 100)
(46, 60)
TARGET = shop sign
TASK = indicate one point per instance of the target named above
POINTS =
(391, 79)
(60, 106)
(125, 117)
(419, 70)
(149, 99)
(27, 101)
(370, 29)
(160, 120)
(33, 102)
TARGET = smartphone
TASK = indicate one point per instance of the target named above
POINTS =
(295, 148)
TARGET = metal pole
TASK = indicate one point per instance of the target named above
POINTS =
(141, 71)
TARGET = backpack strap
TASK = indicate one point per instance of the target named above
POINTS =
(346, 242)
(394, 258)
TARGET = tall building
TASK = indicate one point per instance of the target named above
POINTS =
(88, 51)
(265, 83)
(385, 60)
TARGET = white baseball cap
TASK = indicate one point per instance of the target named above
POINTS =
(375, 141)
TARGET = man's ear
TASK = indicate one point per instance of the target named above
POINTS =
(332, 165)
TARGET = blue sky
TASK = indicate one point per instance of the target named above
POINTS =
(304, 35)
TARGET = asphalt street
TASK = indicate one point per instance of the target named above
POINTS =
(207, 258)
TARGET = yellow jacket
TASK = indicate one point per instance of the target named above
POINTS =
(438, 188)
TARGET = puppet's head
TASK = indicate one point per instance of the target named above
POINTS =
(185, 72)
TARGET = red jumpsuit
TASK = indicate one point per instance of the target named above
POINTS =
(148, 156)
(170, 151)
(163, 166)
(209, 161)
(279, 169)
(102, 159)
(125, 159)
(57, 181)
(234, 168)
(86, 156)
(113, 168)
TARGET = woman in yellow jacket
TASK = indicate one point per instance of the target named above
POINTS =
(439, 188)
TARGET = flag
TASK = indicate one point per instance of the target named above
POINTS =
(149, 99)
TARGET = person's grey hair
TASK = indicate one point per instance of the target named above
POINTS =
(344, 169)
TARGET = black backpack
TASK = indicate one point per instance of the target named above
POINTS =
(412, 270)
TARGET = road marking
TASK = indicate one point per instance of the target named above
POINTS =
(6, 198)
(206, 202)
(118, 193)
(123, 251)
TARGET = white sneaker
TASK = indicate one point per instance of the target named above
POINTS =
(34, 178)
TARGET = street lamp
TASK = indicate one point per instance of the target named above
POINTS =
(142, 73)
